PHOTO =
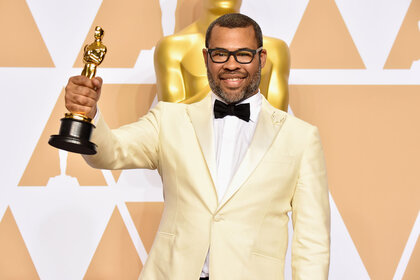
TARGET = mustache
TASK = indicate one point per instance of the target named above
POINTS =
(234, 73)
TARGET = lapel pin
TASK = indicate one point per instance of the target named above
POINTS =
(277, 120)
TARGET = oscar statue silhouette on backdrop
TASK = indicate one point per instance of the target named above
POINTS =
(76, 128)
(181, 74)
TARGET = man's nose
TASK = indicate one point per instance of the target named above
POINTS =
(231, 63)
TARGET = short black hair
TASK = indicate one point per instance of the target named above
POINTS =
(235, 20)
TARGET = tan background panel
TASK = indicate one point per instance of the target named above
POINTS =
(146, 217)
(370, 133)
(15, 261)
(116, 257)
(413, 269)
(119, 104)
(21, 41)
(322, 40)
(127, 101)
(187, 11)
(45, 162)
(371, 139)
(406, 48)
(130, 26)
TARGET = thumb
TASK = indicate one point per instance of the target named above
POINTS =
(97, 82)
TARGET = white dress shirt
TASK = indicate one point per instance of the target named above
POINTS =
(232, 137)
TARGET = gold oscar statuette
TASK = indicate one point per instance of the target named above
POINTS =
(76, 128)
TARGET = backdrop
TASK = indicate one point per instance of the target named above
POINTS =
(355, 74)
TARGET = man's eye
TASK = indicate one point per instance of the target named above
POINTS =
(219, 54)
(244, 54)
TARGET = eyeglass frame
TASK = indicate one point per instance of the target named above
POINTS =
(254, 52)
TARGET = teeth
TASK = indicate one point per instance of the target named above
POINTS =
(233, 79)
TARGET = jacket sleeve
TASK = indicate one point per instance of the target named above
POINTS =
(135, 145)
(311, 215)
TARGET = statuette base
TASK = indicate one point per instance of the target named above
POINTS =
(74, 137)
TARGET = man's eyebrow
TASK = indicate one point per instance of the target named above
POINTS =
(239, 49)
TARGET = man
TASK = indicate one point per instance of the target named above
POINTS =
(228, 181)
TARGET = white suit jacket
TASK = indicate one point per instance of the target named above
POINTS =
(283, 170)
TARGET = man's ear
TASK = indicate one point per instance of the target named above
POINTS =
(205, 56)
(263, 57)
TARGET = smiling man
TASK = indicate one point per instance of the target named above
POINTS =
(233, 73)
(232, 167)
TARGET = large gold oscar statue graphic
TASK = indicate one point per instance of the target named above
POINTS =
(76, 128)
(181, 73)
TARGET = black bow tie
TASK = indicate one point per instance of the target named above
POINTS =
(222, 110)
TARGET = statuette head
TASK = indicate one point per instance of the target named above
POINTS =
(99, 33)
(221, 6)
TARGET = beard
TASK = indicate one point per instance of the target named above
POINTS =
(249, 90)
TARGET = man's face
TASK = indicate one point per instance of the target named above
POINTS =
(233, 81)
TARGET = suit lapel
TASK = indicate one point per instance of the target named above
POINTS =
(202, 121)
(269, 123)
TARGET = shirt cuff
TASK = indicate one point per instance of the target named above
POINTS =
(96, 118)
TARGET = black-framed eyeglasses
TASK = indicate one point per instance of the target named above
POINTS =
(243, 56)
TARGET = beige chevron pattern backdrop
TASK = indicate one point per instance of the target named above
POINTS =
(355, 74)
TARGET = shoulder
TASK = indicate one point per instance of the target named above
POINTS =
(289, 121)
(170, 110)
(169, 106)
(300, 124)
(171, 114)
(295, 134)
(179, 109)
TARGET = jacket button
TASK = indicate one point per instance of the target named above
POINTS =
(218, 218)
